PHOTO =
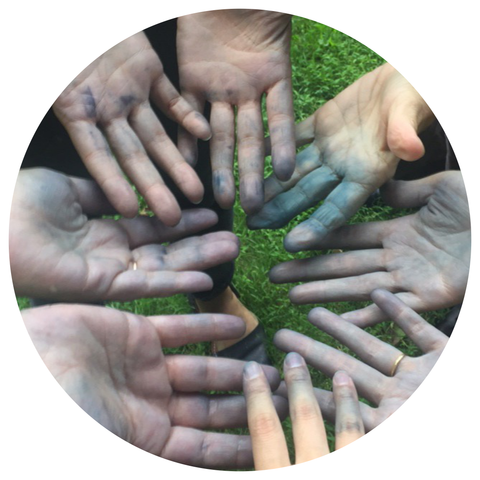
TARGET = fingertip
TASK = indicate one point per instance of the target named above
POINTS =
(293, 360)
(284, 169)
(252, 371)
(341, 379)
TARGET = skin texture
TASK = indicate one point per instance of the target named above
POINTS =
(106, 111)
(423, 258)
(230, 59)
(112, 365)
(310, 439)
(355, 142)
(371, 372)
(57, 253)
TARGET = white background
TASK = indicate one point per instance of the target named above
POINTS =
(45, 44)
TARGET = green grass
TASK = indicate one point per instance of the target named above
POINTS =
(324, 62)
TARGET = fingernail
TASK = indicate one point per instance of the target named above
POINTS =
(341, 378)
(251, 370)
(294, 360)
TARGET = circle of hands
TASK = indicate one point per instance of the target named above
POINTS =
(62, 246)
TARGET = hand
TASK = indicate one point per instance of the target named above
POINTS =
(424, 258)
(231, 58)
(358, 138)
(56, 253)
(310, 439)
(111, 363)
(108, 105)
(381, 375)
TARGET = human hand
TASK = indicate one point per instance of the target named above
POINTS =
(310, 439)
(111, 363)
(357, 140)
(424, 257)
(108, 106)
(382, 374)
(231, 58)
(56, 253)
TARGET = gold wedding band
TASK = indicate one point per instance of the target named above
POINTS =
(396, 363)
(134, 266)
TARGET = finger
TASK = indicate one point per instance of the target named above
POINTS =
(306, 193)
(199, 257)
(91, 198)
(327, 405)
(307, 161)
(268, 441)
(186, 142)
(402, 126)
(251, 156)
(193, 374)
(425, 336)
(309, 434)
(328, 360)
(134, 284)
(348, 420)
(144, 230)
(222, 147)
(166, 96)
(208, 449)
(371, 315)
(102, 165)
(335, 265)
(338, 207)
(138, 167)
(305, 131)
(410, 194)
(279, 104)
(368, 348)
(190, 242)
(361, 236)
(352, 289)
(179, 330)
(215, 411)
(165, 154)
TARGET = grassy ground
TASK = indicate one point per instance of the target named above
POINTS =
(325, 62)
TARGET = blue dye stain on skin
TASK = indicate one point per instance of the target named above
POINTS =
(89, 103)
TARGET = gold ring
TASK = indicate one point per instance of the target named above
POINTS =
(395, 364)
(134, 266)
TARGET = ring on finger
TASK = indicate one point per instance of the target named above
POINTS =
(396, 363)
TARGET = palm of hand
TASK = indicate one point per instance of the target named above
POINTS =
(356, 141)
(398, 389)
(71, 253)
(231, 59)
(422, 257)
(234, 62)
(105, 350)
(112, 86)
(428, 253)
(78, 259)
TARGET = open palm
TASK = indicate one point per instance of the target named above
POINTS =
(381, 374)
(111, 363)
(107, 108)
(57, 253)
(423, 258)
(231, 58)
(356, 140)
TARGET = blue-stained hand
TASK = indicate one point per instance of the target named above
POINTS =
(113, 366)
(58, 253)
(423, 258)
(356, 140)
(231, 59)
